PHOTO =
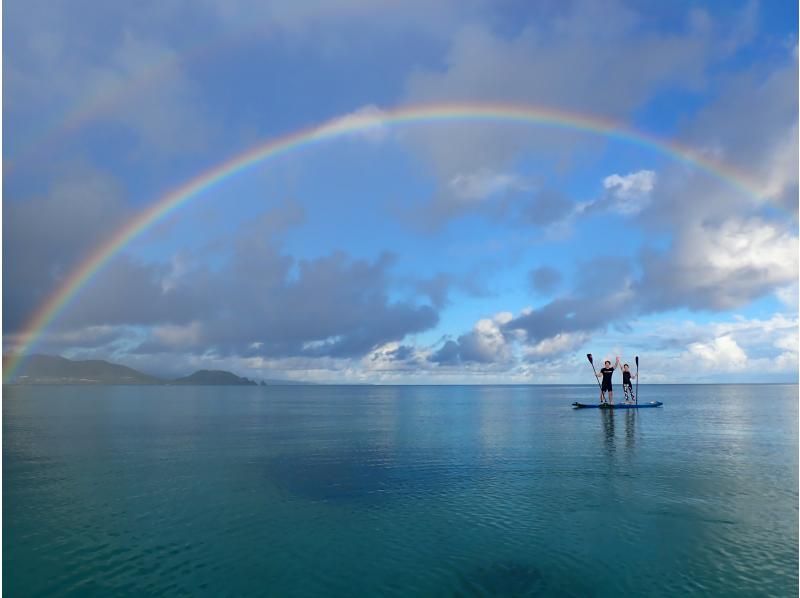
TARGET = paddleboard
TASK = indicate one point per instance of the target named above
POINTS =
(577, 405)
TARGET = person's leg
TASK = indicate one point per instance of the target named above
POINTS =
(611, 397)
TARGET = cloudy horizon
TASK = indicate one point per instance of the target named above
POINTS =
(456, 251)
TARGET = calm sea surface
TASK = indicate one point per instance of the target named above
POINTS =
(399, 491)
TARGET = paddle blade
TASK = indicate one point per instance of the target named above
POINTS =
(589, 357)
(637, 362)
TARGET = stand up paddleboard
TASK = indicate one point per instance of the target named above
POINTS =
(635, 405)
(577, 405)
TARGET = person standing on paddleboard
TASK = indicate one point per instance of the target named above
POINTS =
(627, 388)
(606, 372)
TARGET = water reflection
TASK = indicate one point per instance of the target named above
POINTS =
(424, 441)
(630, 428)
(609, 431)
(416, 448)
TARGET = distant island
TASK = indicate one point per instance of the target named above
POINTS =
(53, 369)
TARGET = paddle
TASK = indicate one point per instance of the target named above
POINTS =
(589, 357)
(637, 380)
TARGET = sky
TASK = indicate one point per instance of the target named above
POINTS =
(455, 250)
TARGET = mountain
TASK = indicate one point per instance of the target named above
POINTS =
(51, 369)
(214, 378)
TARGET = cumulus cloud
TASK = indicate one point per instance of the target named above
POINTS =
(762, 338)
(719, 266)
(789, 295)
(559, 344)
(722, 354)
(630, 193)
(765, 346)
(741, 349)
(395, 357)
(485, 343)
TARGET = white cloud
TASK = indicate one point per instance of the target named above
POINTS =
(630, 193)
(488, 338)
(787, 341)
(752, 245)
(789, 295)
(721, 265)
(722, 354)
(773, 342)
(742, 349)
(557, 345)
(395, 357)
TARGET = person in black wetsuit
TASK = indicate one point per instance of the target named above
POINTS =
(606, 372)
(627, 388)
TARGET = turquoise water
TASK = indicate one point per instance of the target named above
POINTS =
(398, 491)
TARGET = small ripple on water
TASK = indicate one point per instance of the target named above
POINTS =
(333, 504)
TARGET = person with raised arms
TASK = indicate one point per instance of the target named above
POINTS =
(627, 387)
(607, 372)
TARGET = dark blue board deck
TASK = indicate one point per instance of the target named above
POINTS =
(577, 405)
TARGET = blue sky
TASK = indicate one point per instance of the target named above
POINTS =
(463, 252)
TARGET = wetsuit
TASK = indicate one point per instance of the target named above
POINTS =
(627, 388)
(607, 372)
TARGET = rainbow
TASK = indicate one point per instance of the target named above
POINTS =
(362, 121)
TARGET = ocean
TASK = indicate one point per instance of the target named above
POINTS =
(398, 491)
